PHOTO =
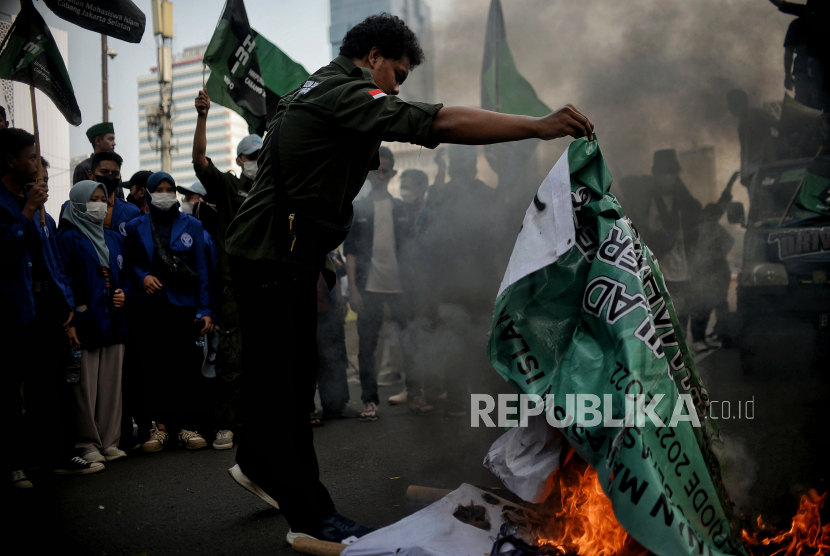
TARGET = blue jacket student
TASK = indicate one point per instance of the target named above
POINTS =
(98, 323)
(18, 235)
(122, 212)
(186, 240)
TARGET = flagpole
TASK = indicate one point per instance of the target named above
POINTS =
(498, 52)
(37, 150)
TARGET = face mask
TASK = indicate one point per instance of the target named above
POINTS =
(163, 201)
(249, 169)
(96, 212)
(409, 196)
(111, 183)
(187, 207)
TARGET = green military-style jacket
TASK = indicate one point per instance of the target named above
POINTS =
(330, 134)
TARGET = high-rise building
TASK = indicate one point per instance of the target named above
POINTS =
(53, 127)
(419, 86)
(225, 128)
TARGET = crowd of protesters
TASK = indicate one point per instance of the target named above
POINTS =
(119, 310)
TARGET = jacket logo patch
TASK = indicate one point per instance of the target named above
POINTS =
(123, 229)
(307, 86)
(81, 309)
(377, 93)
(241, 193)
(120, 261)
(187, 240)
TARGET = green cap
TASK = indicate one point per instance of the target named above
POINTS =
(99, 129)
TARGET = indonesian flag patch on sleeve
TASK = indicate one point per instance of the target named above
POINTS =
(377, 93)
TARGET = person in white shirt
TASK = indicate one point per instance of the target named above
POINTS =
(376, 253)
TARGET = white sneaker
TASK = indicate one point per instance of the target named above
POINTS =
(700, 347)
(20, 480)
(246, 483)
(113, 453)
(398, 399)
(156, 441)
(94, 457)
(292, 536)
(224, 440)
(191, 440)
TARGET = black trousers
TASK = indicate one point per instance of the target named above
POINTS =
(278, 319)
(175, 392)
(369, 323)
(34, 363)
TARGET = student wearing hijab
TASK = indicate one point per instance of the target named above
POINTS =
(93, 259)
(174, 309)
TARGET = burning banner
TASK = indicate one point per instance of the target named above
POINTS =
(583, 314)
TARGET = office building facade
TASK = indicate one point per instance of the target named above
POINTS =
(225, 128)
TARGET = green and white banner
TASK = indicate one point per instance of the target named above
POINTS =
(583, 314)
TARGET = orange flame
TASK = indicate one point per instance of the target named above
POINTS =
(805, 537)
(584, 522)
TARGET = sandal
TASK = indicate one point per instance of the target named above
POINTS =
(315, 419)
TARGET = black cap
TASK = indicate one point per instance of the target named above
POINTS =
(665, 162)
(139, 178)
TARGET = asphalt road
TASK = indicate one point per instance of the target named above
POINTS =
(176, 502)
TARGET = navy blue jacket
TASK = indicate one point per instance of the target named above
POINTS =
(96, 321)
(122, 212)
(187, 239)
(16, 295)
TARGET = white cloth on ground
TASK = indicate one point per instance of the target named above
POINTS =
(434, 531)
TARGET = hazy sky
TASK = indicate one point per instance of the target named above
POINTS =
(651, 74)
(300, 28)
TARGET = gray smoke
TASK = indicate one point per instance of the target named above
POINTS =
(649, 74)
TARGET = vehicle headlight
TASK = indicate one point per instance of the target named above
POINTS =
(764, 274)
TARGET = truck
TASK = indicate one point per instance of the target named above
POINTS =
(783, 293)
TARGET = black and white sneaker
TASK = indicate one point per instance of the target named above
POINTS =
(19, 480)
(334, 528)
(79, 466)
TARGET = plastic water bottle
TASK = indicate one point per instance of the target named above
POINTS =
(73, 370)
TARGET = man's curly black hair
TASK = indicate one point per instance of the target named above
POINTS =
(389, 33)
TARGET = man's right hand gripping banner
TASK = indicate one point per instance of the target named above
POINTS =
(583, 310)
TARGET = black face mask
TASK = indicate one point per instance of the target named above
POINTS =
(111, 183)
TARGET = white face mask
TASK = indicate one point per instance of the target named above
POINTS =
(96, 212)
(409, 196)
(249, 169)
(163, 201)
(187, 207)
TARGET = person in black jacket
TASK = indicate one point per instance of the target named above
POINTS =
(375, 249)
(671, 229)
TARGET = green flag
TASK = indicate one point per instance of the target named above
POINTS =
(814, 193)
(30, 55)
(248, 74)
(584, 310)
(503, 89)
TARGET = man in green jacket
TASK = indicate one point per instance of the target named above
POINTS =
(326, 135)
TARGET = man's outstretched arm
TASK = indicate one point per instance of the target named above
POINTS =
(471, 126)
(200, 162)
